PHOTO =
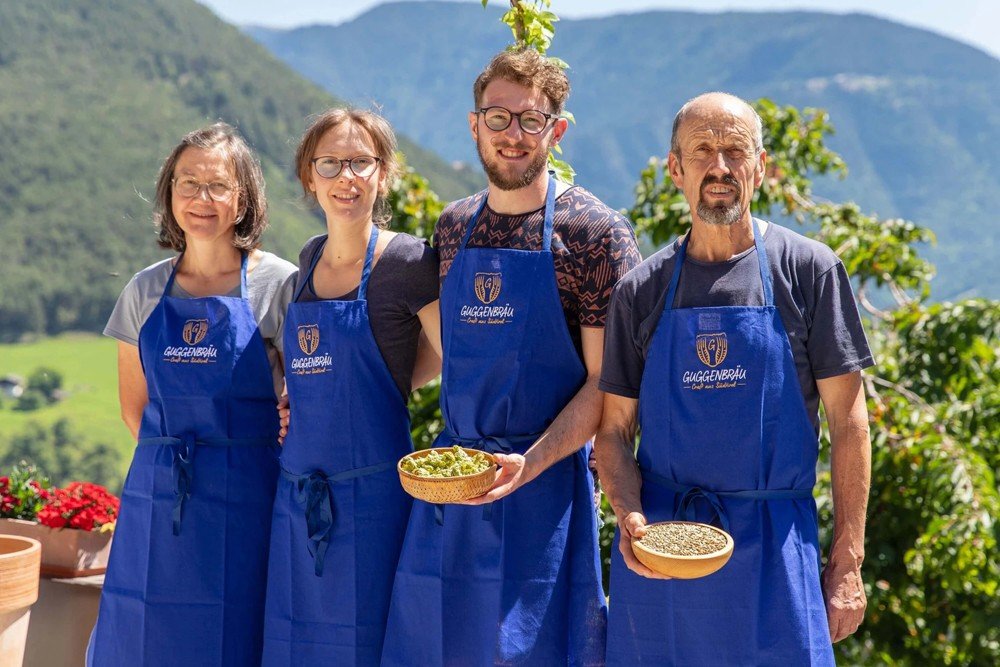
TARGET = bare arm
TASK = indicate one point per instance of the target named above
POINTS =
(843, 399)
(132, 394)
(620, 476)
(428, 363)
(574, 425)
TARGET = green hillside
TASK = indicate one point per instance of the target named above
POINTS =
(90, 404)
(92, 96)
(915, 112)
(90, 380)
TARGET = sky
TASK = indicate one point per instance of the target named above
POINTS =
(975, 22)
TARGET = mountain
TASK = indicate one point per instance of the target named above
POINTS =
(915, 113)
(92, 97)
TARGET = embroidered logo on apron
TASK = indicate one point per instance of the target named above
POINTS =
(487, 286)
(309, 343)
(712, 349)
(487, 289)
(194, 332)
(308, 338)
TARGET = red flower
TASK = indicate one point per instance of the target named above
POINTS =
(80, 505)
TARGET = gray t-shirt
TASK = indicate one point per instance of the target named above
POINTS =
(269, 289)
(811, 290)
(403, 280)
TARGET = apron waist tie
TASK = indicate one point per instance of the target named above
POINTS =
(314, 494)
(183, 463)
(690, 495)
(493, 444)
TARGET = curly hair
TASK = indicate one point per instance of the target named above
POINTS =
(382, 137)
(525, 67)
(252, 219)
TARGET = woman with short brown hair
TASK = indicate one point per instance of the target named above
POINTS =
(198, 366)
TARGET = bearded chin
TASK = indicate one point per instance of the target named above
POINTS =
(507, 182)
(724, 216)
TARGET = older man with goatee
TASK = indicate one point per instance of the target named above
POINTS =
(720, 347)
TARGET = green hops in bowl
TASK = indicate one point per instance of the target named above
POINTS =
(454, 462)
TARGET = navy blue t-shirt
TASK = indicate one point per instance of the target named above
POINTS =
(811, 290)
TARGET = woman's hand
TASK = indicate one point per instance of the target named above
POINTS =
(284, 417)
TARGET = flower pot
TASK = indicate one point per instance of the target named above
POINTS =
(66, 552)
(20, 558)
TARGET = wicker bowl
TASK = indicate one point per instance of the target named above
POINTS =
(446, 489)
(684, 567)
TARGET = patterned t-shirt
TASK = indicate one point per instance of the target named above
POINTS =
(592, 246)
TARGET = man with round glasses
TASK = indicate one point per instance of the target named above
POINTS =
(527, 269)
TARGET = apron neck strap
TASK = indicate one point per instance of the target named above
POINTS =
(243, 275)
(550, 205)
(366, 270)
(762, 265)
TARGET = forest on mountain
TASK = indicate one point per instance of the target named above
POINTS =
(94, 96)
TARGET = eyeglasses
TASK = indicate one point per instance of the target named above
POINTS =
(189, 187)
(361, 166)
(531, 121)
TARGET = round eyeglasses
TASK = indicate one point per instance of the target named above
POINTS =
(531, 121)
(361, 166)
(188, 188)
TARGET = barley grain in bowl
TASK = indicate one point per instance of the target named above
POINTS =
(683, 549)
(447, 474)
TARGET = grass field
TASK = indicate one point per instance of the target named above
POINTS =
(90, 380)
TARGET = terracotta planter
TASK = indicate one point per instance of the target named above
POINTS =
(66, 552)
(20, 558)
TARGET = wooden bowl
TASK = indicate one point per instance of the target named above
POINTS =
(684, 567)
(446, 489)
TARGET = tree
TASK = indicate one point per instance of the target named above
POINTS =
(46, 381)
(64, 455)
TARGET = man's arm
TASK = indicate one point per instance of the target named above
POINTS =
(620, 476)
(843, 399)
(574, 425)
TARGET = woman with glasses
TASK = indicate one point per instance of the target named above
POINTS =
(198, 368)
(364, 300)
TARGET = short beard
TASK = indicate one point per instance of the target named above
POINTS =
(722, 215)
(503, 182)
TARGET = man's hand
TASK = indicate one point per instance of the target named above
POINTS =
(844, 593)
(510, 477)
(633, 527)
(284, 416)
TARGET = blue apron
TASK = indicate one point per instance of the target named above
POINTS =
(518, 582)
(726, 439)
(340, 512)
(183, 584)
